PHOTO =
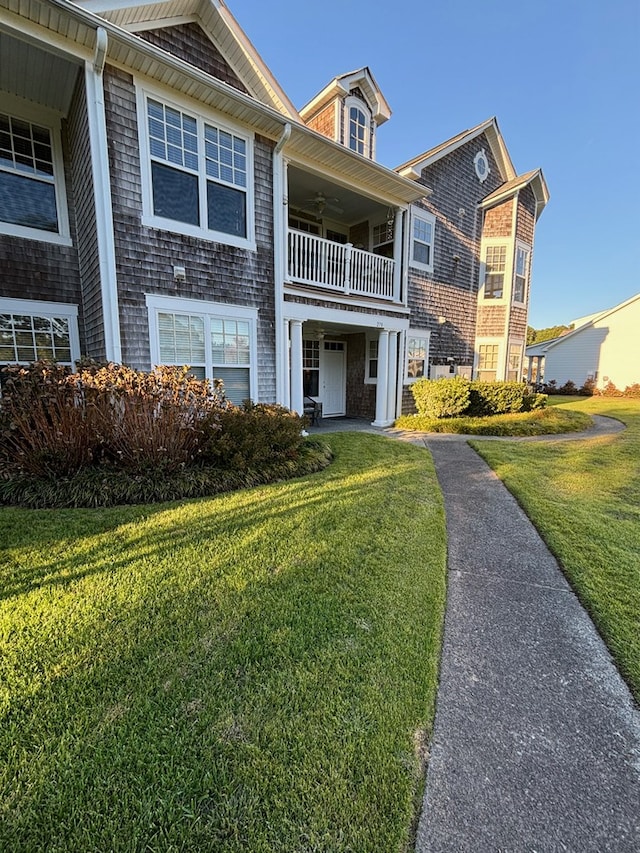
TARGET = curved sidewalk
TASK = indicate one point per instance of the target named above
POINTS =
(536, 742)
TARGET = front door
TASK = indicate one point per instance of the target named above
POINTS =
(333, 374)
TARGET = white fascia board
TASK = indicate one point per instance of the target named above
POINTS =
(302, 312)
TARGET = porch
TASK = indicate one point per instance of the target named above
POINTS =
(319, 262)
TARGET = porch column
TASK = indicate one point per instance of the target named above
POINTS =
(285, 366)
(393, 373)
(297, 395)
(530, 368)
(99, 166)
(382, 387)
(397, 255)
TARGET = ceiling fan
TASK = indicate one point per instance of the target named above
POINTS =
(320, 202)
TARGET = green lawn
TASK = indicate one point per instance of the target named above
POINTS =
(584, 498)
(549, 421)
(252, 672)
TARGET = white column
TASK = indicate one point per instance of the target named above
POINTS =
(297, 395)
(285, 365)
(393, 374)
(397, 255)
(102, 198)
(382, 386)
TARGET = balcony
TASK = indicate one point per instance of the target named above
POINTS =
(339, 267)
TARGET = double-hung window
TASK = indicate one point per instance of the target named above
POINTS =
(515, 360)
(216, 341)
(199, 175)
(35, 331)
(32, 193)
(417, 354)
(495, 260)
(371, 372)
(520, 273)
(422, 238)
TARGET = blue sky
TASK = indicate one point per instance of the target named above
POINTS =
(562, 77)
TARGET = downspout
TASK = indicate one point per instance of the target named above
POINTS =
(280, 202)
(102, 197)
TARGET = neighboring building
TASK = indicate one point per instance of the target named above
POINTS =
(162, 201)
(602, 347)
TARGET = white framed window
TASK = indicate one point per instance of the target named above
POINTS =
(358, 126)
(417, 358)
(488, 361)
(514, 364)
(521, 273)
(33, 201)
(371, 362)
(310, 367)
(216, 341)
(423, 226)
(32, 331)
(382, 236)
(495, 260)
(197, 173)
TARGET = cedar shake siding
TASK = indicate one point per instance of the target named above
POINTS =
(83, 193)
(324, 122)
(492, 321)
(451, 290)
(34, 269)
(498, 220)
(145, 256)
(190, 43)
(526, 221)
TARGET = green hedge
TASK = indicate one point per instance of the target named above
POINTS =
(447, 398)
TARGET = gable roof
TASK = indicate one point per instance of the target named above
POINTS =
(594, 318)
(342, 85)
(413, 168)
(214, 17)
(535, 179)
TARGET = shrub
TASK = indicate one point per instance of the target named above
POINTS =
(632, 390)
(589, 388)
(610, 390)
(441, 398)
(499, 398)
(569, 387)
(253, 436)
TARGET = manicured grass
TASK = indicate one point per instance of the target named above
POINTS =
(584, 498)
(549, 421)
(252, 672)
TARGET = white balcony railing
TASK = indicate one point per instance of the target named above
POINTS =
(337, 266)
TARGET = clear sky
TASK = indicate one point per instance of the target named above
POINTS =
(562, 77)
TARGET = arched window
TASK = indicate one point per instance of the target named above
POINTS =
(358, 123)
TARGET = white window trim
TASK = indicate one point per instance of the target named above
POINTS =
(37, 308)
(513, 342)
(368, 379)
(416, 333)
(419, 213)
(353, 101)
(208, 310)
(201, 117)
(520, 244)
(509, 263)
(50, 119)
(500, 364)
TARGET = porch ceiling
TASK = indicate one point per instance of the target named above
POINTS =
(36, 75)
(350, 207)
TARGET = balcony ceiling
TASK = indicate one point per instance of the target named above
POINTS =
(350, 209)
(36, 75)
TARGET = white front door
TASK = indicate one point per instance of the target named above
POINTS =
(333, 374)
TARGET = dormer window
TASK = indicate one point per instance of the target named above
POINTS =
(358, 130)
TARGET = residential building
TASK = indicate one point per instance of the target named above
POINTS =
(602, 348)
(162, 201)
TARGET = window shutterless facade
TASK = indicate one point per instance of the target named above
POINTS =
(514, 364)
(35, 331)
(488, 355)
(423, 226)
(521, 273)
(199, 175)
(32, 190)
(495, 259)
(216, 341)
(417, 354)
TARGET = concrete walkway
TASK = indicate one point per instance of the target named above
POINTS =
(536, 745)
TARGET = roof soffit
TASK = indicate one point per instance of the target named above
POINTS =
(220, 26)
(413, 168)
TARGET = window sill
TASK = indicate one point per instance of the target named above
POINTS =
(34, 234)
(199, 233)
